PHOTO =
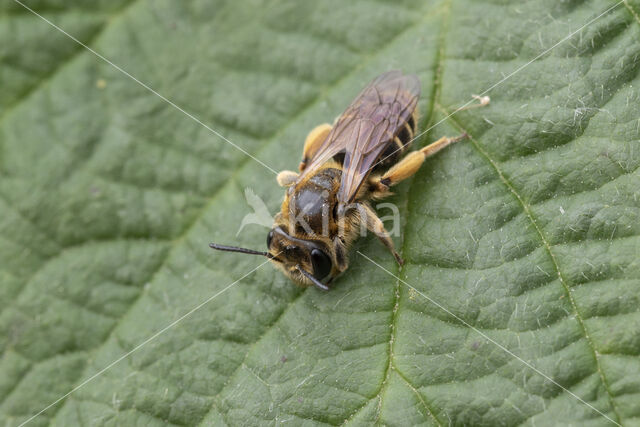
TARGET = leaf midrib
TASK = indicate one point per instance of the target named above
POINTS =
(437, 79)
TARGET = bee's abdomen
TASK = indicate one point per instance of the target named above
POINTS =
(399, 144)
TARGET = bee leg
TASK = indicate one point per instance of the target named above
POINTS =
(341, 254)
(410, 164)
(375, 225)
(311, 145)
(287, 178)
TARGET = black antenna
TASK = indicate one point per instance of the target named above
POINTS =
(237, 249)
(316, 282)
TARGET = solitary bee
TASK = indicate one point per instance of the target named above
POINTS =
(326, 205)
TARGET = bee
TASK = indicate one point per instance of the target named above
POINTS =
(327, 204)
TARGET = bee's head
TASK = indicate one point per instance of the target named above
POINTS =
(306, 262)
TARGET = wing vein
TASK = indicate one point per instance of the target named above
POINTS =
(366, 128)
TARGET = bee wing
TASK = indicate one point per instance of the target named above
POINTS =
(363, 131)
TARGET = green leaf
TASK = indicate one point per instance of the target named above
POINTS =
(527, 233)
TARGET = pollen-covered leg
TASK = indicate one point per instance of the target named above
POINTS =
(375, 225)
(287, 178)
(315, 138)
(410, 164)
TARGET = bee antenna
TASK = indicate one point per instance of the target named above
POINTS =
(237, 249)
(316, 282)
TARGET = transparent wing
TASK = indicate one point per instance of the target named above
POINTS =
(366, 127)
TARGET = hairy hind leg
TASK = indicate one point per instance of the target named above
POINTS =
(311, 145)
(409, 165)
(313, 142)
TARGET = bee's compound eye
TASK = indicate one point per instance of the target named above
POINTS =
(269, 239)
(321, 264)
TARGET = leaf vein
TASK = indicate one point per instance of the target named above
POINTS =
(543, 238)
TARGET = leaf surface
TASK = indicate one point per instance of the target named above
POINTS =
(527, 232)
